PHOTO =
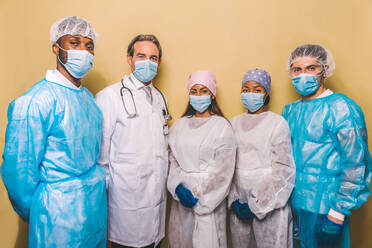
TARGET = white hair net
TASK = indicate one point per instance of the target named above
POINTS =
(72, 25)
(320, 53)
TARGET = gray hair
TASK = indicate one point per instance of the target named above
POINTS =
(144, 37)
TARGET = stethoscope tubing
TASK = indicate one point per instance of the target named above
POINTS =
(166, 114)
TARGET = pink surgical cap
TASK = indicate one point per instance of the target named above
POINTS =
(206, 78)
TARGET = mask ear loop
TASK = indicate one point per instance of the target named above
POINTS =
(322, 74)
(265, 97)
(58, 53)
(131, 69)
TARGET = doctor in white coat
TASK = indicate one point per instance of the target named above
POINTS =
(134, 149)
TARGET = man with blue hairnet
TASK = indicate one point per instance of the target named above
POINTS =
(52, 145)
(330, 149)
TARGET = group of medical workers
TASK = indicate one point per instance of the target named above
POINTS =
(259, 180)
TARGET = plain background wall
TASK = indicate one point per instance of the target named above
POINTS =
(225, 37)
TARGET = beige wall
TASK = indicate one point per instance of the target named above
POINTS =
(226, 37)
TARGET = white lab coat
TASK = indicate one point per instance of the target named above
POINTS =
(264, 178)
(202, 159)
(134, 153)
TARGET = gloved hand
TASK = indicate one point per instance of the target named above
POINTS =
(242, 210)
(329, 232)
(185, 196)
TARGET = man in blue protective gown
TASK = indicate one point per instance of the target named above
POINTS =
(52, 145)
(330, 149)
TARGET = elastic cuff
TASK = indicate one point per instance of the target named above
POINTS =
(336, 215)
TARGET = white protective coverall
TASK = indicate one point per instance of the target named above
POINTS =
(202, 159)
(264, 178)
(134, 153)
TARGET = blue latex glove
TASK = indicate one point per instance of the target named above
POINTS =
(185, 196)
(242, 210)
(329, 232)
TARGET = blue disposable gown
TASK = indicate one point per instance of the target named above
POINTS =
(51, 149)
(333, 163)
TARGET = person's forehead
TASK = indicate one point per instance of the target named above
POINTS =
(145, 47)
(198, 86)
(67, 37)
(252, 84)
(304, 61)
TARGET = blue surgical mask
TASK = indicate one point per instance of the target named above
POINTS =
(305, 84)
(253, 101)
(78, 63)
(200, 103)
(145, 70)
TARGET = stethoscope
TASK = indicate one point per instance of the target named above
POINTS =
(165, 111)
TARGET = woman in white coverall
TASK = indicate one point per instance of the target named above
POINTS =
(202, 161)
(265, 172)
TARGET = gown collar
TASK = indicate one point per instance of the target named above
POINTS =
(55, 76)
